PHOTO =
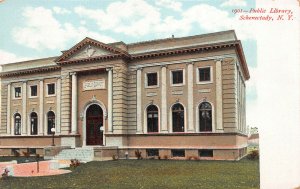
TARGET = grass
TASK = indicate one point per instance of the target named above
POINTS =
(123, 174)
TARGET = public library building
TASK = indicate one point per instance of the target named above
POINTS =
(175, 97)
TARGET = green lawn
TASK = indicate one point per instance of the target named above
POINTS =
(149, 174)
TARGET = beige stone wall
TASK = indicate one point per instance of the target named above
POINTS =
(229, 95)
(26, 142)
(3, 108)
(186, 141)
(32, 104)
(120, 108)
(65, 103)
(131, 101)
(201, 92)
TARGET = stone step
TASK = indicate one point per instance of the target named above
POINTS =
(82, 154)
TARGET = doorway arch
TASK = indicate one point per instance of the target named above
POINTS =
(94, 125)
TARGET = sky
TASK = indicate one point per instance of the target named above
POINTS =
(41, 28)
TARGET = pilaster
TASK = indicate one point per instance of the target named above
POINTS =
(41, 106)
(74, 104)
(8, 115)
(110, 100)
(190, 67)
(58, 103)
(219, 97)
(164, 112)
(139, 100)
(24, 105)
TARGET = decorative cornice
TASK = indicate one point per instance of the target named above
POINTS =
(90, 59)
(29, 71)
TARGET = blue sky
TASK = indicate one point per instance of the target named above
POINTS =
(41, 28)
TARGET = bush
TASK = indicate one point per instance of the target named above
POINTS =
(74, 163)
(5, 173)
(166, 157)
(138, 154)
(253, 155)
(26, 154)
(114, 157)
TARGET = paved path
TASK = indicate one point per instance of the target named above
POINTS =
(30, 169)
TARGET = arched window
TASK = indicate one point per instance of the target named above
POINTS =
(205, 117)
(51, 121)
(178, 118)
(17, 124)
(152, 118)
(33, 123)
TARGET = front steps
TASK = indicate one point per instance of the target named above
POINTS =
(82, 154)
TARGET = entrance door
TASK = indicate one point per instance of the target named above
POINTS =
(94, 120)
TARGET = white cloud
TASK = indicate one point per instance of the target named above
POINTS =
(8, 57)
(134, 18)
(43, 31)
(171, 4)
(234, 3)
(59, 10)
(138, 18)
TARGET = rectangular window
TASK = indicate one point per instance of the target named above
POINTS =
(51, 89)
(32, 151)
(17, 92)
(178, 153)
(206, 153)
(177, 77)
(15, 152)
(33, 90)
(152, 152)
(204, 74)
(151, 79)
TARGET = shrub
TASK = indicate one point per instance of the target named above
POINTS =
(159, 157)
(253, 155)
(74, 163)
(26, 154)
(138, 154)
(114, 157)
(5, 173)
(166, 157)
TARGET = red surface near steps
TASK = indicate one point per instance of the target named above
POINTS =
(30, 169)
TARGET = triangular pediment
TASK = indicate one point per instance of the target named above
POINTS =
(87, 49)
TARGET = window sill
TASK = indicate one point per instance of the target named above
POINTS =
(32, 97)
(51, 95)
(204, 82)
(152, 87)
(177, 85)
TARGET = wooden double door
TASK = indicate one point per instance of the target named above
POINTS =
(94, 125)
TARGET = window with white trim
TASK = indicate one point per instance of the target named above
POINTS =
(33, 91)
(51, 89)
(152, 79)
(204, 75)
(18, 92)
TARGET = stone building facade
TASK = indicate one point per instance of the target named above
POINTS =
(168, 97)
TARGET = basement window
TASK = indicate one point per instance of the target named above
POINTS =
(206, 153)
(152, 152)
(178, 153)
